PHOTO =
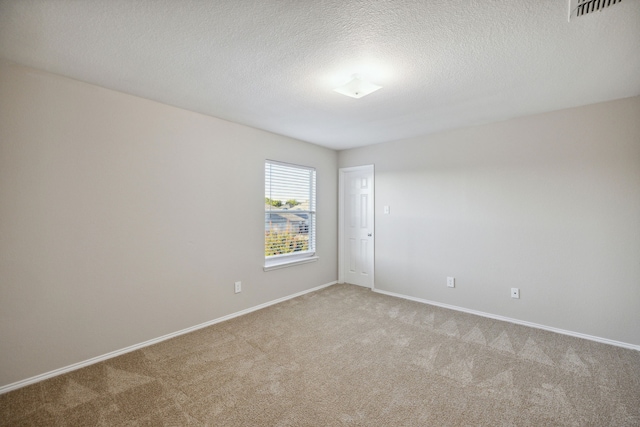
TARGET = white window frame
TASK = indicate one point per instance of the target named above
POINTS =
(287, 260)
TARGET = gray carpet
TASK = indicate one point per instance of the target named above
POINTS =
(345, 356)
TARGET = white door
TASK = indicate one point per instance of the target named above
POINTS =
(357, 220)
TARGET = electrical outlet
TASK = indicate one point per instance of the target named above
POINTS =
(515, 293)
(451, 282)
(238, 287)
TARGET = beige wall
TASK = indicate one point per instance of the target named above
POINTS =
(548, 203)
(122, 220)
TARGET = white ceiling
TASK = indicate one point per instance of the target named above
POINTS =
(273, 64)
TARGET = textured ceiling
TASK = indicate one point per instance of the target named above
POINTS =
(273, 64)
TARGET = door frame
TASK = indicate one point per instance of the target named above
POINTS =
(341, 207)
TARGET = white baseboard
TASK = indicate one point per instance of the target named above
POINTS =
(64, 370)
(516, 321)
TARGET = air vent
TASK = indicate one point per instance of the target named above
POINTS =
(578, 8)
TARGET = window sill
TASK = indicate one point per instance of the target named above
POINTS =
(289, 263)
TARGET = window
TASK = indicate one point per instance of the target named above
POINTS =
(289, 214)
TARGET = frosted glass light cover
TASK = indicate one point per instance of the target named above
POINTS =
(357, 88)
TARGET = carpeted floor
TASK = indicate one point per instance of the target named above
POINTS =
(345, 356)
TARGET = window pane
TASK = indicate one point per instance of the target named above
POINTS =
(289, 209)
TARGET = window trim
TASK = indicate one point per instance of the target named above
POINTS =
(290, 261)
(275, 262)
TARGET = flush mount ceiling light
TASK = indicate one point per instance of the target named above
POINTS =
(357, 87)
